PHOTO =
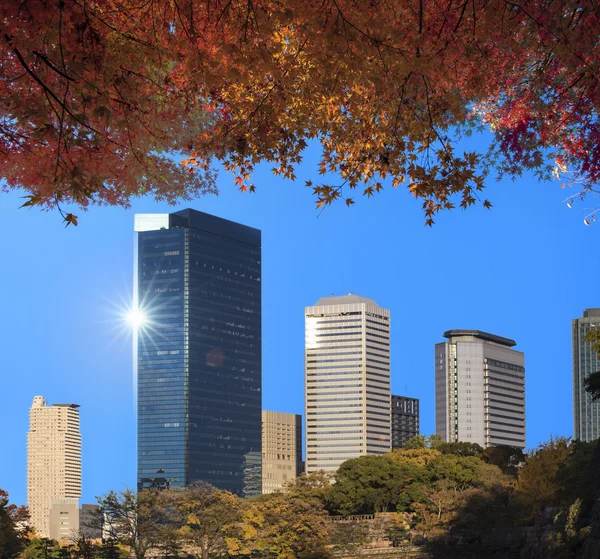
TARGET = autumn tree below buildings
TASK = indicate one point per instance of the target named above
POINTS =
(97, 96)
(13, 531)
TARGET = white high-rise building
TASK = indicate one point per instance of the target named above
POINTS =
(53, 459)
(479, 389)
(347, 381)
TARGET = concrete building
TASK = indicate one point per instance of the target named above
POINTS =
(90, 523)
(53, 459)
(347, 381)
(405, 420)
(586, 414)
(480, 389)
(64, 519)
(281, 449)
(197, 286)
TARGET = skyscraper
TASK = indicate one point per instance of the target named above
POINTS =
(281, 449)
(586, 414)
(479, 389)
(405, 420)
(347, 381)
(53, 459)
(198, 288)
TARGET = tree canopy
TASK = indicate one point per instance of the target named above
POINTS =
(99, 95)
(592, 382)
(13, 533)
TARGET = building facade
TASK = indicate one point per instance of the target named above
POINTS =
(480, 389)
(281, 449)
(347, 381)
(405, 420)
(53, 459)
(197, 286)
(64, 519)
(90, 523)
(586, 414)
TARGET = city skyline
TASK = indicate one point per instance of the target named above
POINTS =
(87, 355)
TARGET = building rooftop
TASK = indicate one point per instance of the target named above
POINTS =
(350, 299)
(591, 313)
(481, 336)
(202, 221)
(66, 405)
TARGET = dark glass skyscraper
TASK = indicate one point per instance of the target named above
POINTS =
(405, 420)
(198, 287)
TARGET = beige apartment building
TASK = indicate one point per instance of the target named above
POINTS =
(53, 465)
(281, 449)
(347, 381)
(479, 389)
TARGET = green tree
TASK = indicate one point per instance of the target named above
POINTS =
(458, 448)
(417, 456)
(13, 534)
(452, 482)
(110, 549)
(133, 520)
(540, 480)
(507, 458)
(592, 382)
(308, 486)
(42, 548)
(372, 484)
(423, 441)
(459, 472)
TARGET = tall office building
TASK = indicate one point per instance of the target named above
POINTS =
(585, 361)
(281, 449)
(347, 381)
(405, 420)
(198, 348)
(53, 459)
(479, 389)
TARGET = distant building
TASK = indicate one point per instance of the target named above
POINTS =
(585, 361)
(64, 519)
(53, 462)
(347, 381)
(281, 449)
(480, 389)
(198, 287)
(405, 420)
(90, 523)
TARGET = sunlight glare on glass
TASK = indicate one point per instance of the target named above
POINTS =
(136, 318)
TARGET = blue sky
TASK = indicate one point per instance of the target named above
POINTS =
(522, 270)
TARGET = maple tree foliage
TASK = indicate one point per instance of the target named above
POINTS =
(97, 96)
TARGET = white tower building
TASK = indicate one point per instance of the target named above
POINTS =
(479, 389)
(347, 381)
(53, 460)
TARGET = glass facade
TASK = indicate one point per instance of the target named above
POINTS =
(405, 420)
(198, 287)
(586, 414)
